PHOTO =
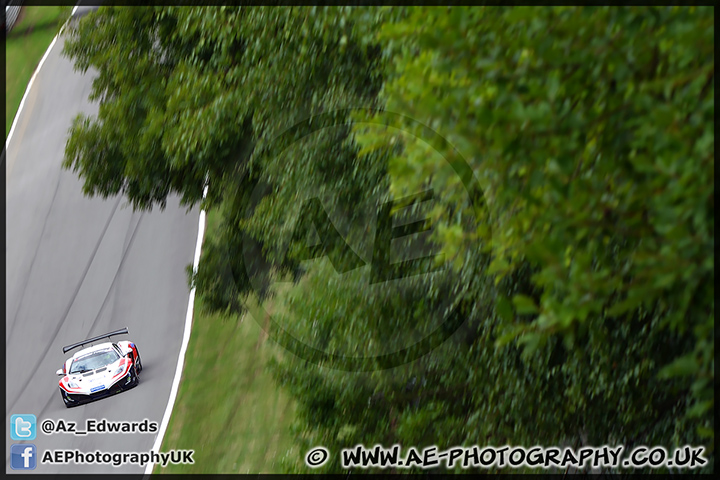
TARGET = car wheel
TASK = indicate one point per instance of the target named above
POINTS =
(136, 379)
(65, 399)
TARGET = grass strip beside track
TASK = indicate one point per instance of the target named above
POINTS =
(24, 47)
(229, 409)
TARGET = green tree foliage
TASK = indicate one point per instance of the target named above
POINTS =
(191, 96)
(592, 131)
(583, 292)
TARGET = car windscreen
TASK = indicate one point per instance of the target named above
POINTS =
(93, 361)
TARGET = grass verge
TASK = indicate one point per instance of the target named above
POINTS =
(24, 47)
(229, 409)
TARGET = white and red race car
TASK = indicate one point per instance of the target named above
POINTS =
(100, 370)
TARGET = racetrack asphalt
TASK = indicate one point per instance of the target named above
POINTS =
(78, 267)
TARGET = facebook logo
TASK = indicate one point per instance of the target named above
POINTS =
(23, 456)
(23, 427)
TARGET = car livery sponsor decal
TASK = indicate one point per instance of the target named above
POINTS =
(98, 388)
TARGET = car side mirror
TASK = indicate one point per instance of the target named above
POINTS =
(59, 372)
(129, 354)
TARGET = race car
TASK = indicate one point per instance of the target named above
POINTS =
(99, 370)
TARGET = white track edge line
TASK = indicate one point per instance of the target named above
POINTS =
(32, 79)
(186, 338)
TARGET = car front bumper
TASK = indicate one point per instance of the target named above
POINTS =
(124, 383)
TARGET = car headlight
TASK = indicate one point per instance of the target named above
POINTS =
(119, 370)
(72, 384)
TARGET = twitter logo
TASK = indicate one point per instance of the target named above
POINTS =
(23, 427)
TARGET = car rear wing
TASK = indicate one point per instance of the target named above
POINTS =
(94, 339)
